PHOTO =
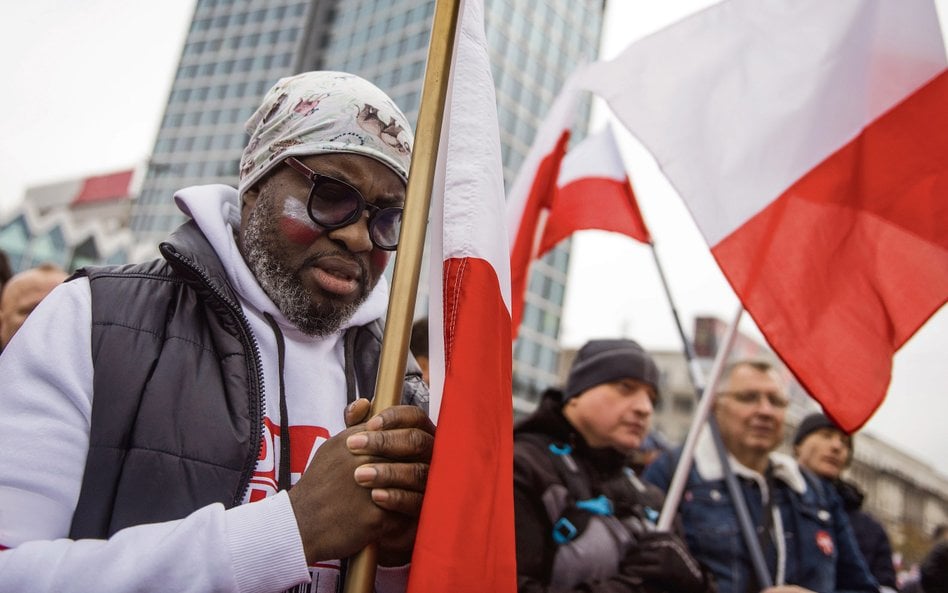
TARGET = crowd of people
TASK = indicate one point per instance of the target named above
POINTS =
(146, 406)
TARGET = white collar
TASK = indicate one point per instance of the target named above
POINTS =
(709, 465)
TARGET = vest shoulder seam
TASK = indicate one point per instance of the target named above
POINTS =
(140, 275)
(163, 452)
(157, 335)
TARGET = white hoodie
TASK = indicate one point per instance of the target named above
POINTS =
(45, 414)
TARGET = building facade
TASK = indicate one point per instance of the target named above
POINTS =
(72, 223)
(235, 50)
(233, 53)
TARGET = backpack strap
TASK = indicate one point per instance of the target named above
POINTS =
(575, 517)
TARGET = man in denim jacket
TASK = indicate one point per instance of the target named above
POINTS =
(801, 525)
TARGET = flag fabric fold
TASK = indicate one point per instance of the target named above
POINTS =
(558, 192)
(531, 193)
(593, 192)
(809, 140)
(465, 539)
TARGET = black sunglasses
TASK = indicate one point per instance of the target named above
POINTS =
(333, 204)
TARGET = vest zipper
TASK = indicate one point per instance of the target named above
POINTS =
(255, 374)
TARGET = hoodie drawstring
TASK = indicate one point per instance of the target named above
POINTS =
(283, 478)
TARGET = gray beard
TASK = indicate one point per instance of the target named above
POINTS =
(282, 283)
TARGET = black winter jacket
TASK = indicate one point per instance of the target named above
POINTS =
(177, 411)
(542, 495)
(870, 536)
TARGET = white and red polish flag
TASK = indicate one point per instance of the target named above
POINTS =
(532, 192)
(809, 140)
(593, 192)
(585, 188)
(465, 539)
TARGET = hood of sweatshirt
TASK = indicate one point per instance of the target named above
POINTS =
(303, 374)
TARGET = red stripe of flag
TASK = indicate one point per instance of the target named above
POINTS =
(524, 248)
(599, 203)
(469, 541)
(848, 263)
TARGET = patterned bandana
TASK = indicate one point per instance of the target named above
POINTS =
(324, 112)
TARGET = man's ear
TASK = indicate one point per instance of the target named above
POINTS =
(248, 202)
(249, 199)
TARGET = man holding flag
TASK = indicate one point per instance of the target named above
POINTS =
(801, 524)
(192, 423)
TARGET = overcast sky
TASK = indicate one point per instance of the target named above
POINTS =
(85, 85)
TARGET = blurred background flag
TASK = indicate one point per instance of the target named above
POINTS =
(532, 192)
(593, 192)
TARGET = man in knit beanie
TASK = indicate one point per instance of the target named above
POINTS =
(584, 520)
(823, 448)
(612, 370)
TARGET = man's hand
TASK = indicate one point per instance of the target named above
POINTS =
(661, 559)
(403, 437)
(366, 484)
(357, 412)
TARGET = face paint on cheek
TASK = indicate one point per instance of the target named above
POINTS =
(379, 259)
(296, 224)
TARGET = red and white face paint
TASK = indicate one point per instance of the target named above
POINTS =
(296, 224)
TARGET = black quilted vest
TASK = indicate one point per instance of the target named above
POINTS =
(177, 407)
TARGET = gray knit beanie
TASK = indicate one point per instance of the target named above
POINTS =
(605, 361)
(812, 423)
(815, 422)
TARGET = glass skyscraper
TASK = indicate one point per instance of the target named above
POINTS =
(236, 49)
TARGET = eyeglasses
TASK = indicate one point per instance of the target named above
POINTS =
(333, 204)
(753, 397)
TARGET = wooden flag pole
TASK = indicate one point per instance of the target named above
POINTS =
(360, 576)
